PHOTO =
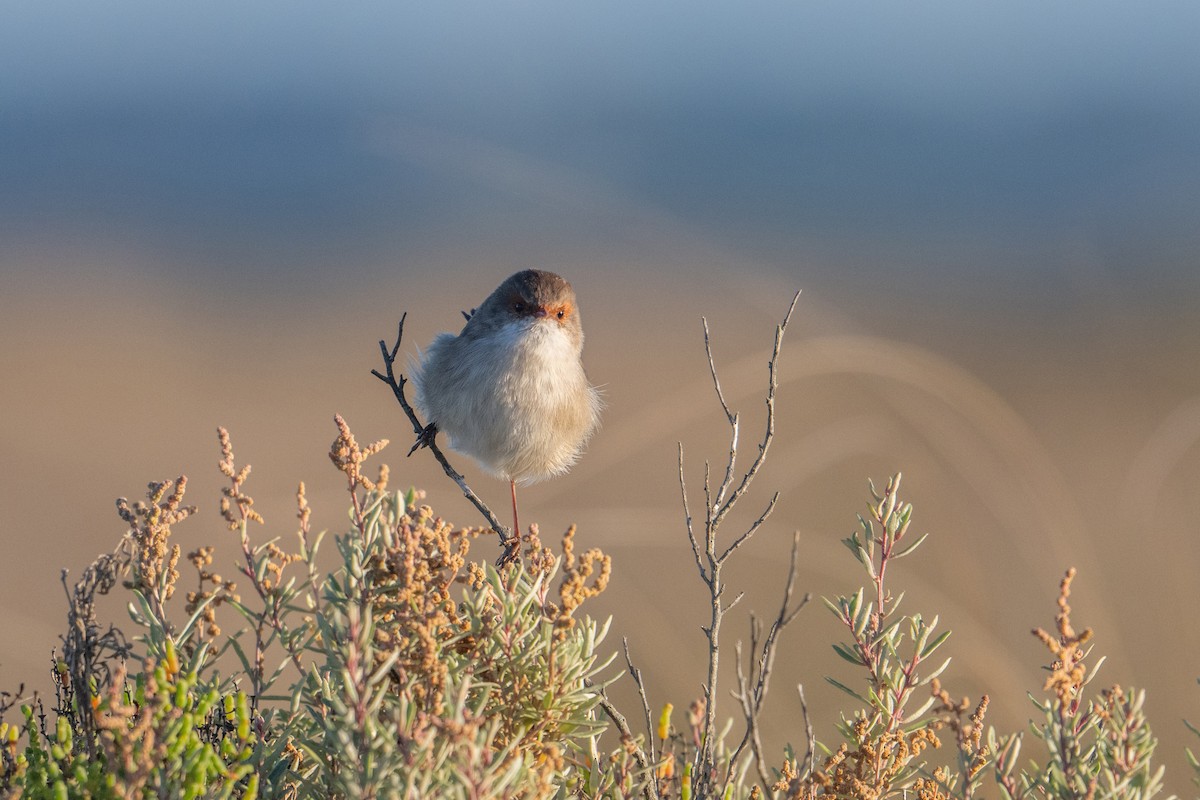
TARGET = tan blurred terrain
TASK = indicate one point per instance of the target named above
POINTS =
(1030, 441)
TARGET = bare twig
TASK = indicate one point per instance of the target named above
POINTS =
(712, 368)
(732, 418)
(746, 700)
(752, 689)
(769, 433)
(510, 540)
(752, 529)
(650, 787)
(718, 504)
(88, 649)
(810, 757)
(637, 679)
(687, 513)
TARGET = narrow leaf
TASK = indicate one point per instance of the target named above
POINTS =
(935, 673)
(848, 654)
(848, 690)
(935, 644)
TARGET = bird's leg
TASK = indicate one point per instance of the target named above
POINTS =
(424, 438)
(512, 485)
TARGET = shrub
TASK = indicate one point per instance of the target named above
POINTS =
(410, 670)
(417, 673)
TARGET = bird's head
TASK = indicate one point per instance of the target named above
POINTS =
(527, 299)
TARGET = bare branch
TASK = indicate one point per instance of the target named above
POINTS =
(708, 563)
(688, 515)
(731, 417)
(509, 540)
(811, 756)
(785, 616)
(769, 434)
(650, 787)
(753, 697)
(756, 747)
(637, 679)
(750, 710)
(736, 600)
(709, 528)
(751, 530)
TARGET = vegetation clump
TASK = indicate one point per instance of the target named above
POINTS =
(409, 669)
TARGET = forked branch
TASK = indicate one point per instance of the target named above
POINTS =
(723, 508)
(709, 560)
(752, 688)
(649, 787)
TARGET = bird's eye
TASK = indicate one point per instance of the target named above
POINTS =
(561, 313)
(518, 307)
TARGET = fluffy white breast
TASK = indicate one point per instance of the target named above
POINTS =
(519, 401)
(544, 364)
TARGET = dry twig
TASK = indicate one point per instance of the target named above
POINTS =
(425, 437)
(709, 561)
(637, 679)
(810, 755)
(649, 787)
(752, 689)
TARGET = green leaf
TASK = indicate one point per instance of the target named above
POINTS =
(884, 702)
(902, 553)
(848, 690)
(1094, 670)
(934, 645)
(241, 654)
(917, 713)
(888, 631)
(191, 623)
(849, 654)
(863, 619)
(928, 678)
(891, 644)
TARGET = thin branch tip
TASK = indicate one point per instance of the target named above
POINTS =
(425, 438)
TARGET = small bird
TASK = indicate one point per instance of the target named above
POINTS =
(510, 389)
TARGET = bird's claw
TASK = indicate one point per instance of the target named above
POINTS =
(512, 552)
(424, 438)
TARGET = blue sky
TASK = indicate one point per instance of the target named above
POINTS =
(279, 128)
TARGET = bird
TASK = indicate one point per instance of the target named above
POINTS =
(510, 388)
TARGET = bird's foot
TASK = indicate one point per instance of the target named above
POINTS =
(512, 552)
(424, 438)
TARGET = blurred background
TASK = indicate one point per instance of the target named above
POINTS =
(210, 214)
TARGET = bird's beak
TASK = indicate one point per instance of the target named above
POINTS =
(541, 311)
